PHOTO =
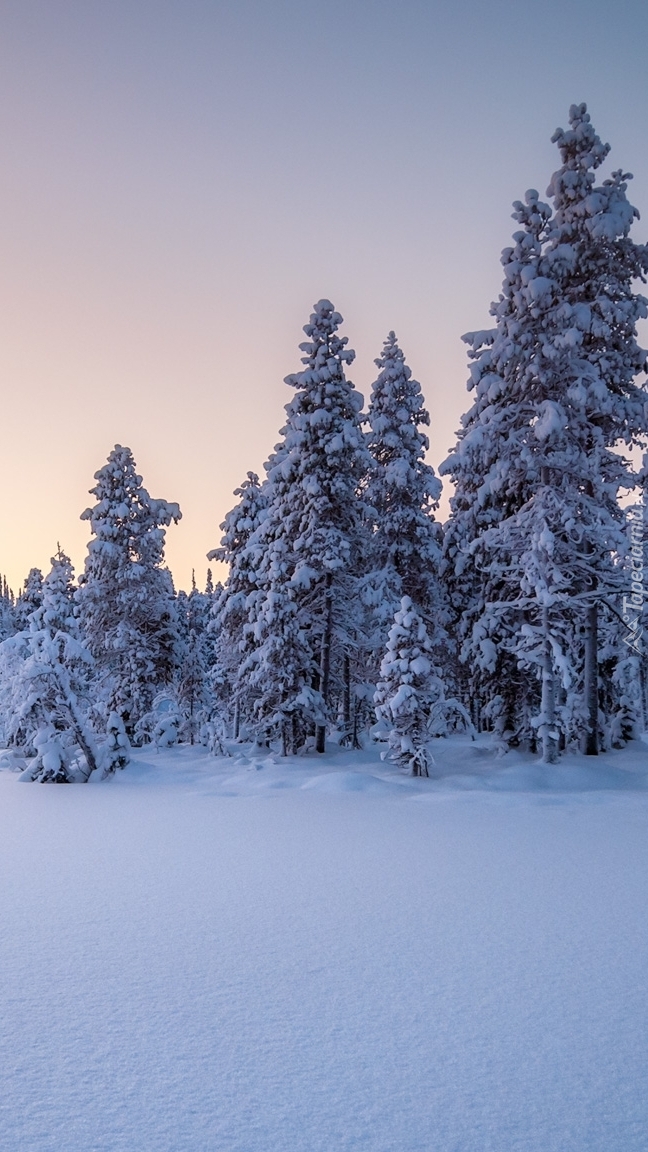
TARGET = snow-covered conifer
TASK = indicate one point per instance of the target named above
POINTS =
(402, 493)
(126, 598)
(402, 490)
(307, 551)
(556, 391)
(492, 481)
(194, 613)
(592, 265)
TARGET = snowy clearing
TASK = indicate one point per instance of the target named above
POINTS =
(320, 954)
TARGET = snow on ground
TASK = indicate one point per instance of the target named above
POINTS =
(322, 955)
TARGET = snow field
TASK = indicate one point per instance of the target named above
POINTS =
(321, 955)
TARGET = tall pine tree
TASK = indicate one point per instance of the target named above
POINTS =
(539, 529)
(307, 551)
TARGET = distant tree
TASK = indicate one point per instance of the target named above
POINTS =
(7, 610)
(29, 599)
(231, 629)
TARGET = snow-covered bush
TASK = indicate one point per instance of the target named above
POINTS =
(115, 752)
(46, 700)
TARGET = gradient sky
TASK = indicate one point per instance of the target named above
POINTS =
(182, 179)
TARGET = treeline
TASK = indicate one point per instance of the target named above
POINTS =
(348, 607)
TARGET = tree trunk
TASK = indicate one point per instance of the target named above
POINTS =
(346, 705)
(643, 689)
(355, 743)
(87, 749)
(561, 697)
(473, 705)
(591, 681)
(549, 741)
(590, 676)
(325, 664)
(237, 719)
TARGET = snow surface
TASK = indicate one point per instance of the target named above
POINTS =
(322, 955)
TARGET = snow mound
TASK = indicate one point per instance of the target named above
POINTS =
(572, 774)
(351, 782)
(567, 777)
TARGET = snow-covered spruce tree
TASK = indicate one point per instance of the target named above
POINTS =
(591, 401)
(402, 490)
(409, 688)
(193, 610)
(125, 596)
(594, 265)
(231, 635)
(50, 715)
(402, 493)
(307, 551)
(29, 599)
(492, 478)
(575, 315)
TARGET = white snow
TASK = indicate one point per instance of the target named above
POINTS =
(321, 955)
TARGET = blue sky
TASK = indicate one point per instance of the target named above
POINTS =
(181, 181)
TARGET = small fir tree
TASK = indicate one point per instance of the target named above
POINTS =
(408, 689)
